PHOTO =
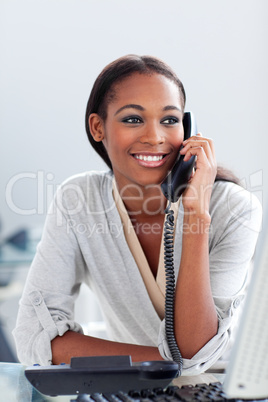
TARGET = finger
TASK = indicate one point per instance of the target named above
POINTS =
(202, 162)
(196, 143)
(197, 137)
(206, 143)
(197, 151)
(201, 151)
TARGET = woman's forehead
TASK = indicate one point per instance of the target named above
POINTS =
(145, 87)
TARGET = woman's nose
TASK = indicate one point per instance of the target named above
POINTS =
(152, 135)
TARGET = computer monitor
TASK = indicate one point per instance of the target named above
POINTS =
(247, 372)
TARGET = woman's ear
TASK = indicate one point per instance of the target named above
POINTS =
(96, 127)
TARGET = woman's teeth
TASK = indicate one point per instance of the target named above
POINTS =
(149, 158)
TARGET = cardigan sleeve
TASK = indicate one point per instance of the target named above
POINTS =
(235, 227)
(46, 307)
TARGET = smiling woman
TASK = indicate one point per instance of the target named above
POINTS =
(134, 120)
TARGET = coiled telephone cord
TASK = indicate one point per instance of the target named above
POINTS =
(170, 286)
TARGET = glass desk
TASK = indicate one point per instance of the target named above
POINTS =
(14, 387)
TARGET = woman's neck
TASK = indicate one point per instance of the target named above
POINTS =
(143, 201)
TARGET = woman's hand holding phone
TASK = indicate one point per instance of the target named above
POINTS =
(196, 196)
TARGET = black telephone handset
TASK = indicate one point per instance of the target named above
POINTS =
(177, 179)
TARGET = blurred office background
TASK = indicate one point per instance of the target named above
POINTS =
(51, 52)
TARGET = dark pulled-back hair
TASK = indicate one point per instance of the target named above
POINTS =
(103, 92)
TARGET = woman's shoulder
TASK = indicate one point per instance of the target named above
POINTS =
(93, 177)
(229, 193)
(230, 201)
(90, 186)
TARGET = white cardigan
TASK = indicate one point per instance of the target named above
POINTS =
(84, 242)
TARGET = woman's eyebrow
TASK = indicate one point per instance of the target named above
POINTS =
(171, 107)
(130, 106)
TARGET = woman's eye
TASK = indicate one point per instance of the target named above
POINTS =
(170, 120)
(132, 120)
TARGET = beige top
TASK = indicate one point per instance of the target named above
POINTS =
(155, 286)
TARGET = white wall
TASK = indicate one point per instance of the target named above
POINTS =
(52, 50)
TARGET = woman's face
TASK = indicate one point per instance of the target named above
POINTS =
(143, 129)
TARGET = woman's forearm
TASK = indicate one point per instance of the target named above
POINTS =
(195, 315)
(73, 344)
